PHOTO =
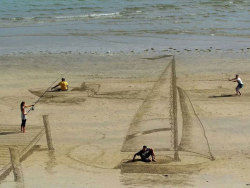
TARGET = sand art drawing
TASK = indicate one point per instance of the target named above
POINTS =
(72, 96)
(22, 146)
(109, 120)
(155, 124)
(103, 78)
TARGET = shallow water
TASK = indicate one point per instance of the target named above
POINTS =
(115, 25)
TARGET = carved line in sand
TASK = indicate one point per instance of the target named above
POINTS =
(125, 94)
(92, 154)
(147, 132)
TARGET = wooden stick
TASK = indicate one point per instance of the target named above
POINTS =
(47, 131)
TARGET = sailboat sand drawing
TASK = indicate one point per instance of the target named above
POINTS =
(155, 124)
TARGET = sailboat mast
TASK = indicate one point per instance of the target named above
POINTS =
(174, 107)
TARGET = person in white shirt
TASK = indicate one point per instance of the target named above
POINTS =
(240, 84)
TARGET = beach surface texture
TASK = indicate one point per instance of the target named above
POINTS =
(91, 123)
(139, 73)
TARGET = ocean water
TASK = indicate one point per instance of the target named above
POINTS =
(122, 25)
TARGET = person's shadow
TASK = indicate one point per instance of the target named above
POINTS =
(134, 161)
(6, 133)
(221, 96)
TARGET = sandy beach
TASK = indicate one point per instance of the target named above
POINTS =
(152, 73)
(89, 128)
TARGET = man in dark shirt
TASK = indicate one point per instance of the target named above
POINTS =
(145, 153)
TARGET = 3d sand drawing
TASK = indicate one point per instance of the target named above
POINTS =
(72, 96)
(15, 148)
(101, 122)
(155, 124)
(140, 72)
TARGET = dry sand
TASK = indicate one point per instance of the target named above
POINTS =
(89, 128)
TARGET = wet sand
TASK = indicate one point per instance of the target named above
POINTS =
(89, 129)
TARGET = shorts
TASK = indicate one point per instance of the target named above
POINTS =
(146, 160)
(239, 86)
(23, 122)
(56, 89)
(59, 89)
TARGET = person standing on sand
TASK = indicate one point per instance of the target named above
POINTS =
(23, 115)
(240, 84)
(145, 153)
(63, 84)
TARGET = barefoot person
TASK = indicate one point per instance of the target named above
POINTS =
(240, 84)
(63, 84)
(145, 153)
(23, 115)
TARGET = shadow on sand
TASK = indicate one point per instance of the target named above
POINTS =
(131, 161)
(6, 133)
(221, 96)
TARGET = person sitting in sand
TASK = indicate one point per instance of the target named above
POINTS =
(145, 153)
(63, 84)
(23, 115)
(240, 84)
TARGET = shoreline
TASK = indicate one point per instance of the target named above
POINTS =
(122, 45)
(147, 53)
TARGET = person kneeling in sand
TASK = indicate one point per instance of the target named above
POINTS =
(63, 84)
(145, 153)
(240, 84)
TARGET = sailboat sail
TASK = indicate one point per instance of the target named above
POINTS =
(155, 122)
(151, 124)
(193, 133)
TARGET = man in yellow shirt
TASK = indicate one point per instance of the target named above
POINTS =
(63, 84)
